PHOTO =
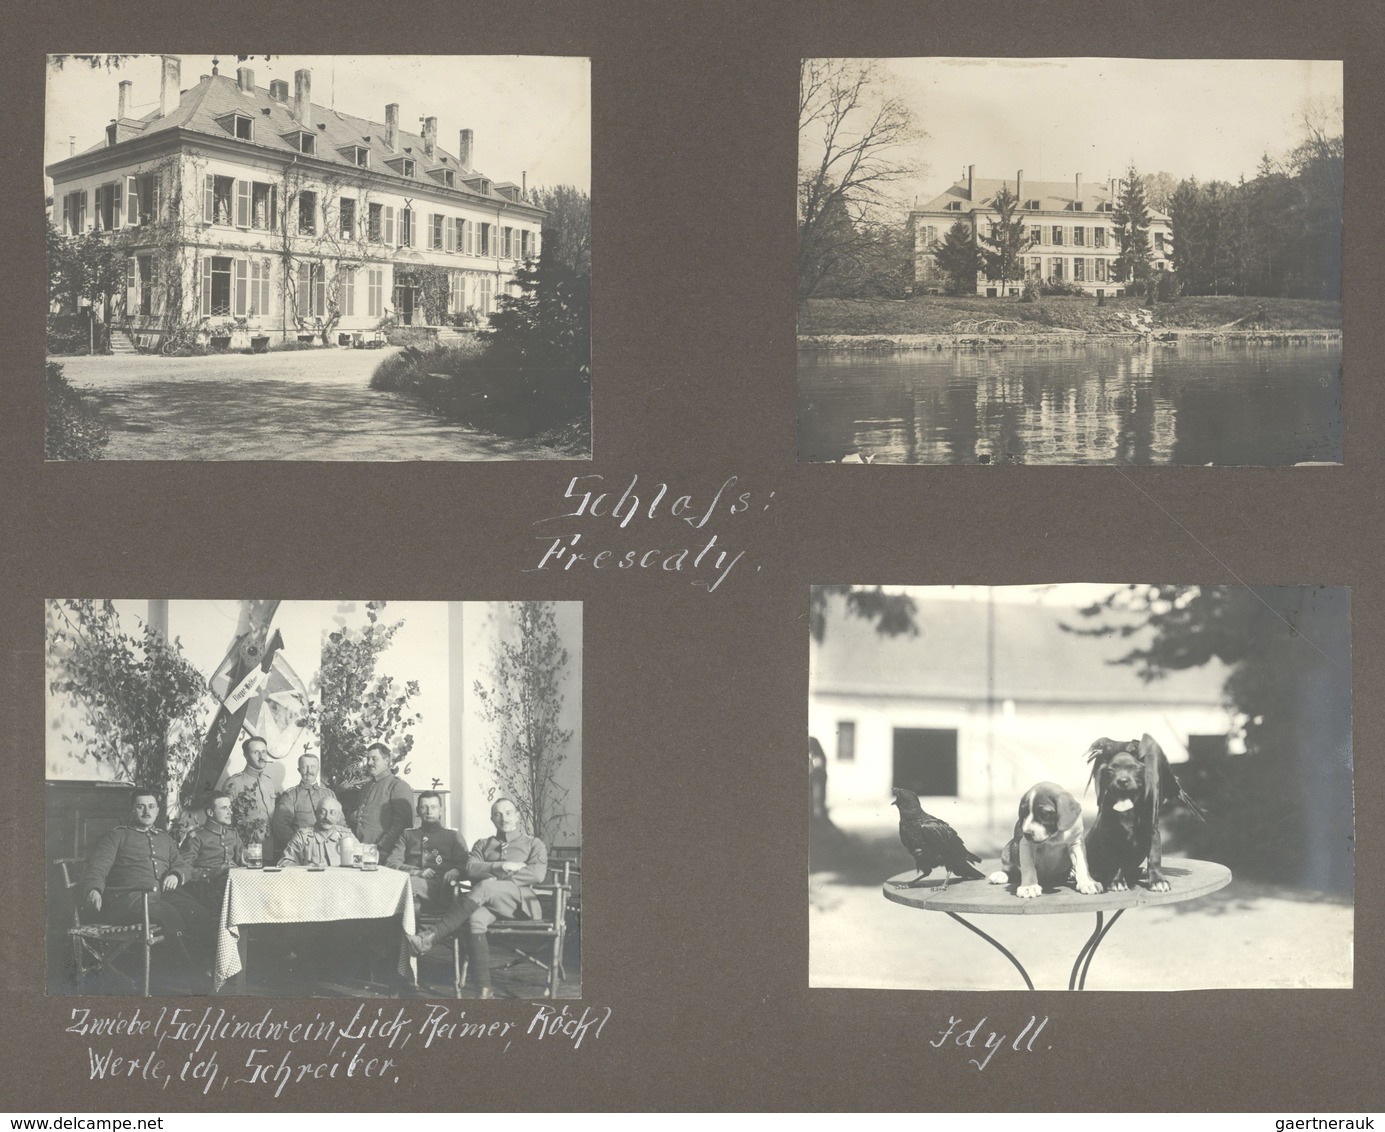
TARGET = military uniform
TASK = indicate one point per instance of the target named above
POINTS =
(209, 850)
(260, 787)
(315, 846)
(429, 846)
(385, 812)
(296, 809)
(138, 860)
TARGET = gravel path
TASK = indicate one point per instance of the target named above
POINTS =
(302, 405)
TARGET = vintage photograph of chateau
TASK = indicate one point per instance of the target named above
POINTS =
(1113, 276)
(269, 208)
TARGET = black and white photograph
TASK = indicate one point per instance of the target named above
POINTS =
(1081, 786)
(277, 257)
(291, 799)
(1070, 261)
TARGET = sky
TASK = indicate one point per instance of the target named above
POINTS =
(1053, 118)
(529, 114)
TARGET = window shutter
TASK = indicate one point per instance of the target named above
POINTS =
(305, 283)
(67, 215)
(131, 287)
(206, 287)
(389, 224)
(209, 200)
(242, 204)
(240, 296)
(115, 206)
(273, 207)
(319, 289)
(132, 197)
(449, 235)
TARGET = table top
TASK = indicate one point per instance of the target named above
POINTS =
(297, 894)
(1187, 877)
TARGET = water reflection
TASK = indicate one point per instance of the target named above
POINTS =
(1091, 404)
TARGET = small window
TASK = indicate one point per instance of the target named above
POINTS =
(302, 141)
(1033, 204)
(361, 156)
(954, 206)
(846, 741)
(1077, 206)
(245, 128)
(406, 166)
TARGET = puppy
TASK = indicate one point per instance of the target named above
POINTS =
(1132, 781)
(1047, 848)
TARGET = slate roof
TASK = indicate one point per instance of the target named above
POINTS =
(1035, 660)
(1053, 196)
(216, 96)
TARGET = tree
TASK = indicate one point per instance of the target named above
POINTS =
(958, 258)
(142, 701)
(1185, 228)
(86, 268)
(1130, 222)
(1282, 810)
(851, 131)
(1159, 190)
(1004, 245)
(894, 615)
(522, 703)
(358, 706)
(570, 220)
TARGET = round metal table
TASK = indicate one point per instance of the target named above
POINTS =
(1188, 878)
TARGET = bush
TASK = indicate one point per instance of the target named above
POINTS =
(70, 334)
(73, 430)
(1060, 287)
(291, 344)
(410, 336)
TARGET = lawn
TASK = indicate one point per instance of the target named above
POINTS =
(945, 314)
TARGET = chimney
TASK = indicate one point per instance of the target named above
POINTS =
(392, 127)
(1115, 188)
(303, 95)
(524, 184)
(71, 145)
(123, 105)
(1019, 187)
(464, 149)
(430, 136)
(971, 182)
(1078, 187)
(172, 76)
(279, 90)
(245, 79)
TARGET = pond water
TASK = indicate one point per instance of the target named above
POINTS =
(1105, 403)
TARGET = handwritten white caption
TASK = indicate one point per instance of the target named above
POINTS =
(992, 1042)
(181, 1043)
(710, 560)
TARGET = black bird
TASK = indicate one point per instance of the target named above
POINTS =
(931, 842)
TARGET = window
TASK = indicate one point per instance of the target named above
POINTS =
(1078, 274)
(446, 176)
(1036, 266)
(140, 296)
(505, 243)
(1159, 242)
(954, 206)
(75, 212)
(1057, 233)
(1055, 269)
(259, 287)
(244, 128)
(359, 155)
(1079, 237)
(483, 242)
(307, 213)
(1098, 237)
(1032, 205)
(406, 227)
(218, 201)
(456, 292)
(438, 222)
(1077, 206)
(405, 165)
(216, 286)
(1100, 274)
(346, 218)
(1036, 234)
(264, 206)
(346, 290)
(302, 141)
(375, 286)
(375, 223)
(846, 741)
(141, 199)
(108, 207)
(312, 290)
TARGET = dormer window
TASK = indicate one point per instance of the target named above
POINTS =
(406, 166)
(303, 141)
(238, 125)
(954, 206)
(361, 156)
(1077, 206)
(445, 176)
(1032, 205)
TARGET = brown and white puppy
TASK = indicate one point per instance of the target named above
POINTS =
(1047, 848)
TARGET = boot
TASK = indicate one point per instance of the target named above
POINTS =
(479, 951)
(422, 943)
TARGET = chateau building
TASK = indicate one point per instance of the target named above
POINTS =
(246, 212)
(1071, 231)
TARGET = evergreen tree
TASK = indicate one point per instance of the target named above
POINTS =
(1131, 227)
(1184, 208)
(1003, 248)
(958, 258)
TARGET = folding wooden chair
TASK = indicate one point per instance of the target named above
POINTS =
(95, 946)
(553, 900)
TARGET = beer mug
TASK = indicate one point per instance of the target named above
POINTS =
(349, 850)
(254, 855)
(370, 858)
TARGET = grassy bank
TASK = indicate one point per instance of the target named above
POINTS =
(940, 314)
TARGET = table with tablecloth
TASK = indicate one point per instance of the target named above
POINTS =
(297, 895)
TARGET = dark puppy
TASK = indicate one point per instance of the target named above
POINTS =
(1046, 850)
(1132, 781)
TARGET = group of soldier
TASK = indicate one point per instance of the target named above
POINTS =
(305, 826)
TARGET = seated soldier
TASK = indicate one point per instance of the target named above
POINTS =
(137, 858)
(209, 850)
(320, 845)
(296, 808)
(502, 870)
(432, 855)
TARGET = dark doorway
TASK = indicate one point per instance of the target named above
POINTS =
(404, 305)
(925, 760)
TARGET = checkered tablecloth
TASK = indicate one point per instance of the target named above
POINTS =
(296, 896)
